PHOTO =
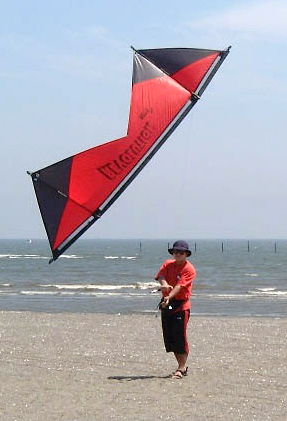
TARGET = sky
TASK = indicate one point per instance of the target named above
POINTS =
(65, 83)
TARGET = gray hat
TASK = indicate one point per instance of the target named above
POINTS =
(180, 245)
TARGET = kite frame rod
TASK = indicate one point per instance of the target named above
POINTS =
(60, 250)
(178, 119)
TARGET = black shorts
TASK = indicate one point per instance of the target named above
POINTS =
(174, 331)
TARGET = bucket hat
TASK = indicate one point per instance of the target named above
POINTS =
(180, 245)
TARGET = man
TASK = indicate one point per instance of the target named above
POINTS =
(176, 277)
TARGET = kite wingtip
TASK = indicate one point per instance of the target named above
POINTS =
(225, 52)
(51, 260)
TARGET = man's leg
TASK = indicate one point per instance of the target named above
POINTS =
(181, 359)
(181, 350)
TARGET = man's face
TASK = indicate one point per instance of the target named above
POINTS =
(179, 256)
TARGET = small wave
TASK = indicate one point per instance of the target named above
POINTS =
(71, 256)
(28, 256)
(138, 285)
(251, 274)
(267, 292)
(37, 256)
(110, 294)
(22, 256)
(5, 293)
(147, 285)
(129, 257)
(88, 287)
(47, 293)
(37, 293)
(122, 257)
(76, 293)
(220, 296)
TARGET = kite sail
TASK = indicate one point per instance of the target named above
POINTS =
(74, 193)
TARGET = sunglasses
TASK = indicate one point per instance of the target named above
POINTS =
(178, 251)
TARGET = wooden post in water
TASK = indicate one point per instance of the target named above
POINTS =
(275, 248)
(248, 248)
(195, 247)
(140, 247)
(222, 247)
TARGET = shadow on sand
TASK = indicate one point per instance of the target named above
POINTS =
(131, 378)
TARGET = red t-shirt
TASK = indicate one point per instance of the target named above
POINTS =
(179, 274)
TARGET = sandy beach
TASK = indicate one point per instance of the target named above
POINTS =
(67, 366)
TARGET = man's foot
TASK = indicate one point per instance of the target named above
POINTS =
(179, 374)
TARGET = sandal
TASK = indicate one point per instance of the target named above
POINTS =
(179, 374)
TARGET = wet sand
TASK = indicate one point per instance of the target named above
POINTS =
(113, 367)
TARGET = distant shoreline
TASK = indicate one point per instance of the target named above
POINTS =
(159, 239)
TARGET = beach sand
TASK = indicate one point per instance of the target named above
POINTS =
(113, 367)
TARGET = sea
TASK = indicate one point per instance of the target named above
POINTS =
(237, 278)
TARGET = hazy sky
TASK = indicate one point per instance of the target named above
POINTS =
(65, 76)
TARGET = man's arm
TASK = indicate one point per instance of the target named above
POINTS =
(165, 287)
(172, 294)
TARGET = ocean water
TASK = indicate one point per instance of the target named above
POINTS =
(117, 276)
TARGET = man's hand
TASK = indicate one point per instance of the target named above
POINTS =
(165, 302)
(170, 295)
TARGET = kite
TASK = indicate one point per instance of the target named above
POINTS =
(75, 192)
